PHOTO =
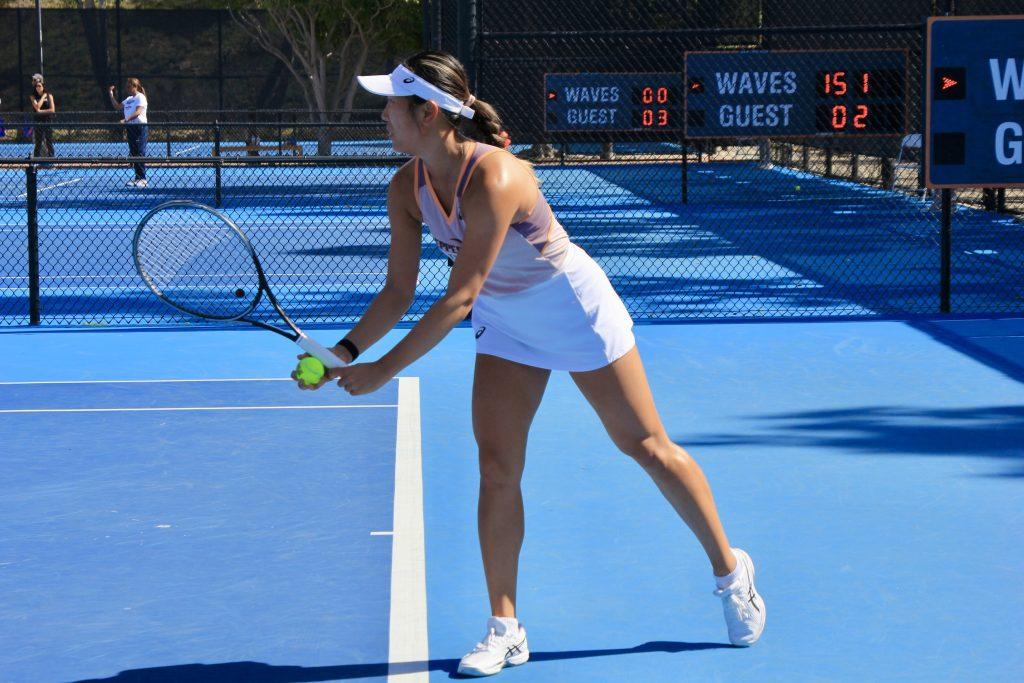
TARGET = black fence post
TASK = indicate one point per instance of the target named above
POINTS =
(888, 169)
(466, 18)
(428, 8)
(684, 172)
(437, 24)
(217, 183)
(946, 276)
(21, 66)
(217, 164)
(220, 60)
(32, 207)
(117, 31)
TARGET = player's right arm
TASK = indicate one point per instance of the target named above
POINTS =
(113, 101)
(394, 299)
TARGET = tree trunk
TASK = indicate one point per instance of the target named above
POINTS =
(352, 87)
(319, 87)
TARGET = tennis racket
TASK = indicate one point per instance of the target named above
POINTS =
(198, 261)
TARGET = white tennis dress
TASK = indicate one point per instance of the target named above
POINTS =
(545, 302)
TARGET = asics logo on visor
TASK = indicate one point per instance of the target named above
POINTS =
(408, 80)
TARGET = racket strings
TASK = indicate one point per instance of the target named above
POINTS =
(199, 263)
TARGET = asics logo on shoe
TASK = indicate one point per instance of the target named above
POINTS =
(514, 649)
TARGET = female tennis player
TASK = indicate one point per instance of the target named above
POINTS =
(539, 303)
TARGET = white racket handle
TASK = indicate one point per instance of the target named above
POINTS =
(322, 354)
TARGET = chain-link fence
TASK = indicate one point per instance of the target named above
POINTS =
(689, 223)
(274, 136)
(828, 218)
(320, 228)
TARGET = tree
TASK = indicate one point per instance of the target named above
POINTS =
(329, 43)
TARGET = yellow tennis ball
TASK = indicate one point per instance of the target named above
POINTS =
(310, 371)
(797, 188)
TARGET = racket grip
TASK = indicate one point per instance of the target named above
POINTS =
(313, 348)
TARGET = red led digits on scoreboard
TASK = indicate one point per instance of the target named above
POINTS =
(655, 103)
(861, 101)
(842, 83)
(651, 118)
(651, 95)
(841, 117)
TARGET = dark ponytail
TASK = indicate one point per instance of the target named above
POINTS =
(485, 125)
(447, 73)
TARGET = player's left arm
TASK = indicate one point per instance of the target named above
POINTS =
(498, 191)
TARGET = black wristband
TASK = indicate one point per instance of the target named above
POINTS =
(350, 347)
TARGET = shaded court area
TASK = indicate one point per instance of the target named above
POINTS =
(873, 470)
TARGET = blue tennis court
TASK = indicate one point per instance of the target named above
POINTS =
(834, 337)
(237, 529)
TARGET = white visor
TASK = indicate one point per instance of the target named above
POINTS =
(402, 82)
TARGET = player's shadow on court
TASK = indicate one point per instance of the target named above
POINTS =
(257, 672)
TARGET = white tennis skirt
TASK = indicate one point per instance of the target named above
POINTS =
(575, 321)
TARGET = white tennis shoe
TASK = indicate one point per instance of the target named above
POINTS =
(499, 648)
(743, 606)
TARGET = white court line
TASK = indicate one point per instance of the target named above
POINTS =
(407, 637)
(208, 275)
(128, 229)
(382, 533)
(188, 149)
(190, 408)
(249, 227)
(50, 187)
(152, 381)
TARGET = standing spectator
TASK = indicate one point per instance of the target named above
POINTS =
(45, 108)
(136, 125)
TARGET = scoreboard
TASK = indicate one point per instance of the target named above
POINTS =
(613, 102)
(753, 93)
(974, 131)
(762, 93)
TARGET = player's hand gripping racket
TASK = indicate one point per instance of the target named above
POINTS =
(197, 260)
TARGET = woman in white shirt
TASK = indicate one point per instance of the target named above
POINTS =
(136, 125)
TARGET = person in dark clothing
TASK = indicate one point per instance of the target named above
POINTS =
(44, 109)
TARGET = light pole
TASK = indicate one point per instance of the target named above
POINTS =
(39, 24)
